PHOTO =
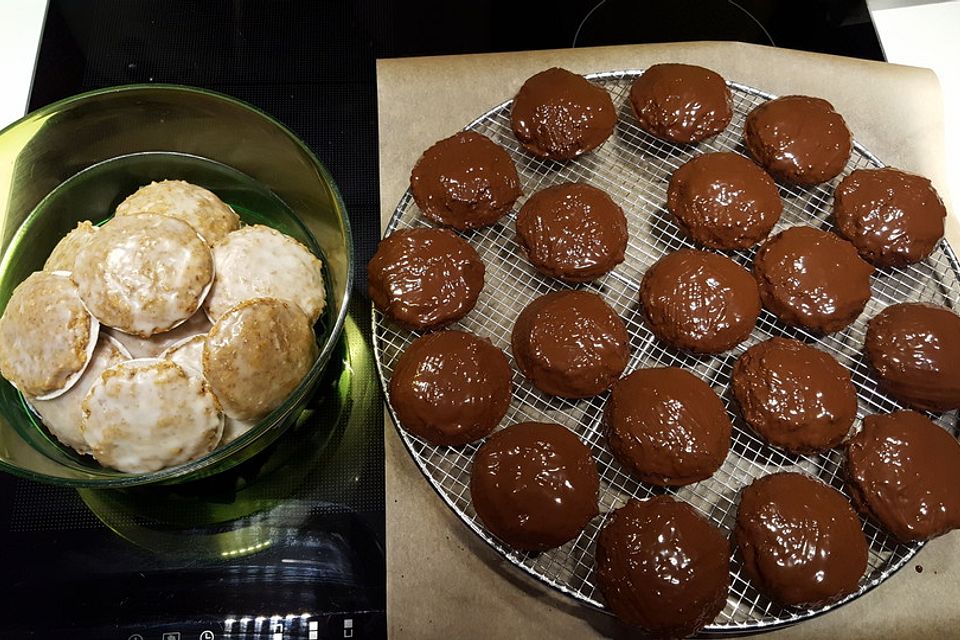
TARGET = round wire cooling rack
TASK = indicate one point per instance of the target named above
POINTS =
(635, 168)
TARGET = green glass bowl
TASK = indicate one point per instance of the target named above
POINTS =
(78, 158)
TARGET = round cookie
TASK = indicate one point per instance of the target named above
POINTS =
(63, 415)
(699, 301)
(663, 567)
(798, 139)
(667, 426)
(570, 344)
(534, 485)
(681, 102)
(260, 262)
(915, 351)
(145, 415)
(466, 181)
(724, 201)
(561, 115)
(209, 216)
(812, 279)
(256, 354)
(794, 396)
(64, 255)
(903, 471)
(425, 278)
(156, 344)
(451, 388)
(572, 231)
(893, 218)
(800, 540)
(188, 353)
(144, 274)
(47, 336)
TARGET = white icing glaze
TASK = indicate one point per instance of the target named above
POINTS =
(256, 354)
(188, 353)
(62, 414)
(156, 344)
(234, 428)
(210, 217)
(72, 380)
(260, 262)
(64, 255)
(144, 274)
(148, 414)
(47, 336)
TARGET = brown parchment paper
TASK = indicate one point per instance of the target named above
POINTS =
(443, 581)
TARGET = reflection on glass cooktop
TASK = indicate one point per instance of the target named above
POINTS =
(293, 536)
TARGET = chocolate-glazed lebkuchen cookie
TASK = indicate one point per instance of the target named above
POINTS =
(560, 115)
(724, 201)
(451, 387)
(915, 351)
(534, 485)
(425, 278)
(572, 231)
(466, 181)
(904, 472)
(893, 218)
(798, 139)
(699, 301)
(681, 102)
(800, 540)
(812, 279)
(663, 567)
(667, 426)
(794, 396)
(570, 344)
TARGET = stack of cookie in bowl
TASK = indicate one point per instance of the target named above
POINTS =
(164, 333)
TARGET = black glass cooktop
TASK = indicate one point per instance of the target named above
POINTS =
(287, 545)
(291, 544)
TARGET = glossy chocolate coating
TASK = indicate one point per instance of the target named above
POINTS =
(663, 567)
(425, 278)
(813, 279)
(534, 485)
(892, 218)
(699, 301)
(724, 201)
(681, 102)
(667, 426)
(915, 350)
(572, 231)
(570, 344)
(466, 181)
(798, 139)
(904, 471)
(794, 396)
(800, 540)
(451, 387)
(561, 115)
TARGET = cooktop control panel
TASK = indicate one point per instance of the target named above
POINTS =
(335, 626)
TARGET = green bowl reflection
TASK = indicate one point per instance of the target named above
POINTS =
(239, 511)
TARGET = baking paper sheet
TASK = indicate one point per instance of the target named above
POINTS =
(443, 581)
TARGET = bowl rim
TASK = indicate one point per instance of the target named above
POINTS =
(195, 467)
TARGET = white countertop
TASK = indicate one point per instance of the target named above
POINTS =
(21, 23)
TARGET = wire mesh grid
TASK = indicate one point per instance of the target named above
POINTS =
(635, 168)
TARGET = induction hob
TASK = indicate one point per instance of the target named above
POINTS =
(291, 544)
(288, 543)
